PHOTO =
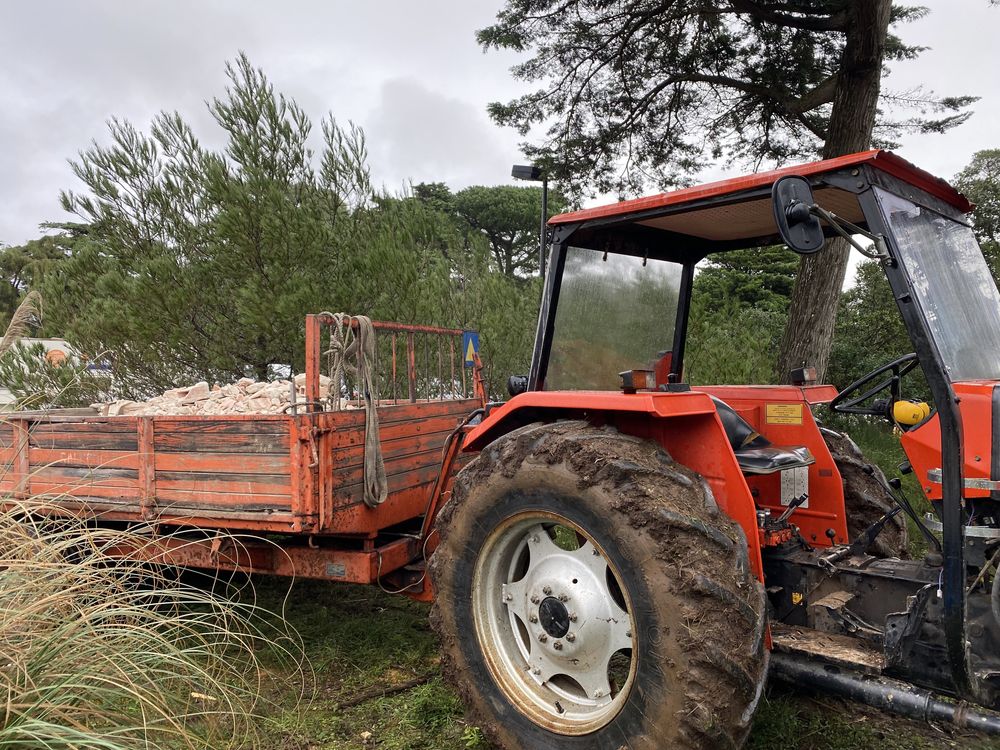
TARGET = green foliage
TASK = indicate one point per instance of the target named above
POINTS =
(757, 277)
(731, 343)
(739, 307)
(196, 264)
(616, 312)
(869, 329)
(38, 383)
(23, 267)
(506, 217)
(980, 181)
(870, 332)
(632, 93)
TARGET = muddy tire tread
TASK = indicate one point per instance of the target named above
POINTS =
(701, 559)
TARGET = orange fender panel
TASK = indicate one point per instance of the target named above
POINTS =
(685, 424)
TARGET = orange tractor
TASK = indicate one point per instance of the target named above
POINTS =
(628, 557)
(623, 559)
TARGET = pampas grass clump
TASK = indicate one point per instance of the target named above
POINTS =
(102, 653)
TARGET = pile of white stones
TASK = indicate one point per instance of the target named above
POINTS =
(245, 396)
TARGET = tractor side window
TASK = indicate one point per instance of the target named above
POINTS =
(615, 313)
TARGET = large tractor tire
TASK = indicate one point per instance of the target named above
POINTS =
(591, 595)
(865, 498)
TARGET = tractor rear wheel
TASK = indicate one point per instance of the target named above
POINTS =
(865, 498)
(590, 594)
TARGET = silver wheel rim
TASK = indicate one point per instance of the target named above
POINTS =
(553, 621)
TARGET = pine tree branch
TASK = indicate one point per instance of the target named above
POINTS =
(833, 22)
(818, 96)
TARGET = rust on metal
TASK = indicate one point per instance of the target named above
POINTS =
(230, 553)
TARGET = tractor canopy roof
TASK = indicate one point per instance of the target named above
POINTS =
(737, 212)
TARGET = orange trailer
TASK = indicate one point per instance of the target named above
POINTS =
(297, 477)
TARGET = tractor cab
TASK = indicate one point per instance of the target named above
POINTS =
(825, 530)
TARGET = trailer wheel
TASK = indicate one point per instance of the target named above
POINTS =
(865, 499)
(590, 594)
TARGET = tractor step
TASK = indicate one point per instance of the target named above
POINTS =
(839, 650)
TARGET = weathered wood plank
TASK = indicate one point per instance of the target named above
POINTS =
(344, 438)
(240, 463)
(6, 435)
(21, 466)
(223, 425)
(83, 458)
(166, 498)
(248, 484)
(107, 441)
(147, 467)
(180, 442)
(351, 494)
(403, 412)
(391, 449)
(106, 425)
(86, 473)
(354, 474)
(123, 494)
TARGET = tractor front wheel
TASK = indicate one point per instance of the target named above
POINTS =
(590, 594)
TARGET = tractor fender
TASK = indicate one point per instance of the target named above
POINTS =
(685, 423)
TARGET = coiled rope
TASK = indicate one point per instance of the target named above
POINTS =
(345, 350)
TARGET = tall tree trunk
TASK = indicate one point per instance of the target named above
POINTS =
(808, 336)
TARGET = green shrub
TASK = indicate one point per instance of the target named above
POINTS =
(731, 344)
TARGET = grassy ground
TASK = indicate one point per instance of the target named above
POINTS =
(364, 645)
(377, 683)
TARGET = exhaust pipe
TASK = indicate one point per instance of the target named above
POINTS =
(883, 693)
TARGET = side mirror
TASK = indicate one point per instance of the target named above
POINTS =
(517, 384)
(791, 198)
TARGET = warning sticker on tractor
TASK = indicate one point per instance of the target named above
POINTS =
(783, 414)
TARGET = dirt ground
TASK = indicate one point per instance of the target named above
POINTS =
(376, 684)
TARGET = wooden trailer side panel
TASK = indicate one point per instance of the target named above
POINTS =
(221, 472)
(235, 469)
(264, 473)
(412, 437)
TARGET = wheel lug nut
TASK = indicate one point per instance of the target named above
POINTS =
(547, 590)
(598, 693)
(571, 637)
(532, 618)
(557, 645)
(542, 637)
(572, 616)
(536, 670)
(563, 598)
(535, 599)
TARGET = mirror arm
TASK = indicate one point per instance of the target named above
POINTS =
(841, 227)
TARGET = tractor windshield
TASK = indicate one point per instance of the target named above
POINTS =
(953, 286)
(616, 312)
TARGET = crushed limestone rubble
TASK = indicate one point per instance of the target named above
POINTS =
(245, 396)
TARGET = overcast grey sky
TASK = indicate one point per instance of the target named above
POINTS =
(410, 73)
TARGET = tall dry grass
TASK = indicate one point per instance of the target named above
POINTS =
(103, 653)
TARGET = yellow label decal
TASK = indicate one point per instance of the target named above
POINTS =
(797, 597)
(783, 414)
